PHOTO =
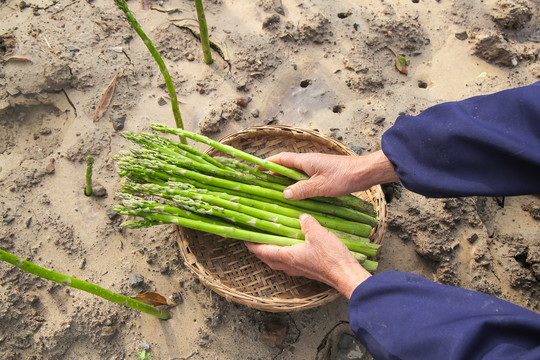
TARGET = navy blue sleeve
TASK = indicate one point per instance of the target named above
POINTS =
(486, 145)
(405, 316)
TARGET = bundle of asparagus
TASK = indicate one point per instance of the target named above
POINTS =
(173, 183)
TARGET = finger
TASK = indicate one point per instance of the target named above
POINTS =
(311, 228)
(274, 256)
(304, 189)
(275, 159)
(292, 160)
(265, 252)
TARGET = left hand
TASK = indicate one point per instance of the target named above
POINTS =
(335, 175)
(322, 257)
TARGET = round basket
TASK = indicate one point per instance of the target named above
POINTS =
(228, 268)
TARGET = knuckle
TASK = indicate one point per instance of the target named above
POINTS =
(319, 187)
(303, 189)
(307, 221)
(284, 157)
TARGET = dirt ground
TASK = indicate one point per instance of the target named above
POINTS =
(325, 65)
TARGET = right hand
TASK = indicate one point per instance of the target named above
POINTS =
(322, 257)
(335, 175)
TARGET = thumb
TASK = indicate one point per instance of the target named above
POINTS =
(303, 189)
(311, 228)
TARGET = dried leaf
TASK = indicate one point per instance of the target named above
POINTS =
(19, 59)
(105, 99)
(401, 64)
(116, 49)
(146, 4)
(152, 298)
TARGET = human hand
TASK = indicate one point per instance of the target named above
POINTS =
(335, 175)
(322, 257)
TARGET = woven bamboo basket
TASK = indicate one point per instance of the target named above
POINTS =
(228, 268)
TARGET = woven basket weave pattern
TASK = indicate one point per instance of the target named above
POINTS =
(228, 268)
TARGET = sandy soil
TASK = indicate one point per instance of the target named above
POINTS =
(340, 50)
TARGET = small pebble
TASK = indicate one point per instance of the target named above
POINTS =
(190, 57)
(473, 238)
(243, 102)
(98, 190)
(32, 299)
(13, 91)
(405, 237)
(305, 83)
(161, 101)
(176, 298)
(136, 280)
(357, 149)
(379, 119)
(337, 109)
(111, 214)
(349, 348)
(164, 268)
(118, 121)
(273, 333)
(44, 199)
(73, 50)
(8, 219)
(50, 167)
(462, 35)
(271, 20)
(345, 14)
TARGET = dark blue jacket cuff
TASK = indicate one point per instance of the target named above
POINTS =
(486, 145)
(405, 316)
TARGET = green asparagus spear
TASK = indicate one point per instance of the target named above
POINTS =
(225, 231)
(271, 212)
(157, 57)
(350, 200)
(82, 285)
(256, 190)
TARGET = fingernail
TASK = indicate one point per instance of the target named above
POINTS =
(303, 217)
(287, 194)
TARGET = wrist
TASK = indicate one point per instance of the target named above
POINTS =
(374, 169)
(350, 277)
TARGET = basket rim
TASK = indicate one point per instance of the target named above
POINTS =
(276, 304)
